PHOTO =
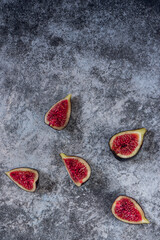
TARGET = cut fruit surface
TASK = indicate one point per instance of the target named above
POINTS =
(126, 144)
(58, 115)
(78, 168)
(126, 209)
(25, 178)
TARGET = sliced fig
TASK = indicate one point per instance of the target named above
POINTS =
(127, 210)
(25, 178)
(78, 168)
(58, 115)
(127, 144)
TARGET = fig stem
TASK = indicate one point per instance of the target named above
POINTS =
(146, 220)
(68, 97)
(63, 155)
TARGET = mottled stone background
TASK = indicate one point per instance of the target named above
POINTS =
(107, 54)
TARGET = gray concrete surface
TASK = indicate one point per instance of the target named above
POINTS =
(107, 54)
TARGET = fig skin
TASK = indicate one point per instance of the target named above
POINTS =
(36, 179)
(68, 97)
(81, 160)
(137, 206)
(140, 131)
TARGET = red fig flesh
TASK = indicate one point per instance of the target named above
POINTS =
(25, 178)
(78, 168)
(128, 210)
(58, 115)
(126, 144)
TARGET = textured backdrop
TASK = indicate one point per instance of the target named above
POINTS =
(107, 55)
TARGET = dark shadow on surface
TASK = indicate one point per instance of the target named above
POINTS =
(150, 145)
(45, 184)
(72, 126)
(99, 188)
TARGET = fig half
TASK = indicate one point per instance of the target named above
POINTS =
(25, 178)
(58, 115)
(127, 210)
(78, 168)
(125, 145)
